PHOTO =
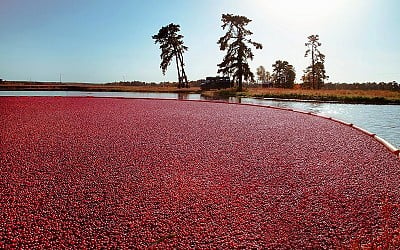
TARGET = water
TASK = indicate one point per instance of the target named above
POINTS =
(383, 120)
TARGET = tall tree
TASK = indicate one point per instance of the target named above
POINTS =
(171, 46)
(235, 42)
(283, 74)
(261, 73)
(316, 57)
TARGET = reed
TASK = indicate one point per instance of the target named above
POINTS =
(341, 96)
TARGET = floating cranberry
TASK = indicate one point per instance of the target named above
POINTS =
(125, 173)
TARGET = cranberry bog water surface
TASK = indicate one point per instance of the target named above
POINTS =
(134, 173)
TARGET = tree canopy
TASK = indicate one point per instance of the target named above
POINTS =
(235, 42)
(283, 74)
(171, 46)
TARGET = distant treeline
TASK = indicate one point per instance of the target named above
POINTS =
(394, 86)
(131, 83)
(4, 82)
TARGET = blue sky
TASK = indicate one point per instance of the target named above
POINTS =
(105, 41)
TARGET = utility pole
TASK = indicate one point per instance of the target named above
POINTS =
(60, 78)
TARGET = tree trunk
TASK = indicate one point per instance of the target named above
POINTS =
(312, 67)
(179, 73)
(240, 65)
(184, 77)
(240, 87)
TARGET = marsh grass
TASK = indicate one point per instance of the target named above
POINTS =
(341, 96)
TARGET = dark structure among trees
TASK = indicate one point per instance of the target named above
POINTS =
(315, 74)
(217, 82)
(235, 43)
(171, 46)
(283, 75)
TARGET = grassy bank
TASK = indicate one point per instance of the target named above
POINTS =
(341, 96)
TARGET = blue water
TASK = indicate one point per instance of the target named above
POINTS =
(383, 120)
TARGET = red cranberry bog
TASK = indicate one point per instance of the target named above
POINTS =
(137, 173)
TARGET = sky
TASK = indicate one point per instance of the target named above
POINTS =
(110, 40)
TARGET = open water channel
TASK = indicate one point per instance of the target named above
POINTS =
(383, 120)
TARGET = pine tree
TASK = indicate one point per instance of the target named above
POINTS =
(283, 74)
(315, 73)
(235, 43)
(171, 46)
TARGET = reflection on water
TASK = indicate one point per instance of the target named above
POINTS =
(231, 99)
(384, 120)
